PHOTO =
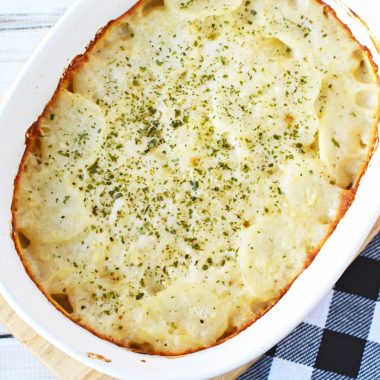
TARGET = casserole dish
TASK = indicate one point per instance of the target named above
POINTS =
(122, 363)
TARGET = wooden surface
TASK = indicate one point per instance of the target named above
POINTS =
(65, 368)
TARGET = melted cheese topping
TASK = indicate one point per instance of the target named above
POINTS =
(194, 167)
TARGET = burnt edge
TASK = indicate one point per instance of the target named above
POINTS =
(347, 197)
(102, 358)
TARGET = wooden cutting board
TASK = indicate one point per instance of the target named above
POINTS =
(64, 367)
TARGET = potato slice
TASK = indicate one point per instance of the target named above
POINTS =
(183, 317)
(72, 131)
(53, 212)
(268, 258)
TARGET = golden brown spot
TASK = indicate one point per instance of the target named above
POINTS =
(246, 223)
(69, 84)
(63, 301)
(98, 357)
(289, 118)
(23, 240)
(151, 5)
(194, 161)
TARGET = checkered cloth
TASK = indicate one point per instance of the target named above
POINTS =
(340, 339)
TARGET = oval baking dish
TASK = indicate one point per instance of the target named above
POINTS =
(37, 84)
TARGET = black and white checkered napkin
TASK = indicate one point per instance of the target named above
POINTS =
(340, 339)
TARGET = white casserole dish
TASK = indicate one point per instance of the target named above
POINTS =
(25, 102)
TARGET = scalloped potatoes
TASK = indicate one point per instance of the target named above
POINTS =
(191, 164)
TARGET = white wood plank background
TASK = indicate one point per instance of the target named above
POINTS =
(23, 24)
